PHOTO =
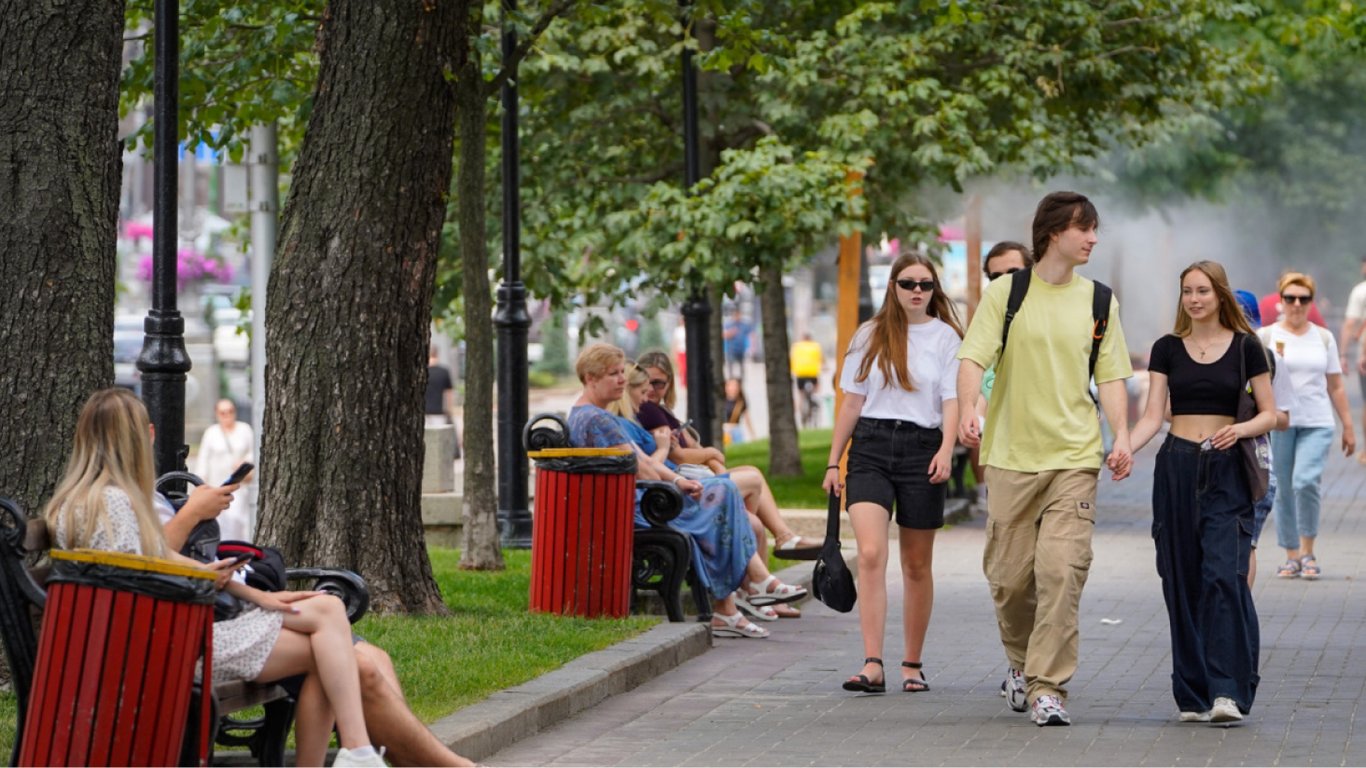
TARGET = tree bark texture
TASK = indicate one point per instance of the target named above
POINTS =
(60, 167)
(349, 308)
(784, 455)
(480, 547)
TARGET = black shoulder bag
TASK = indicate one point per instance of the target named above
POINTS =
(831, 582)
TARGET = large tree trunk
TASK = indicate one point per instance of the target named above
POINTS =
(349, 306)
(60, 166)
(784, 455)
(480, 546)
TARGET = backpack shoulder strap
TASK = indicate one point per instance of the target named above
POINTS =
(1324, 334)
(1019, 286)
(1100, 320)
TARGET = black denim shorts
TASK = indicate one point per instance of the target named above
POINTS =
(889, 465)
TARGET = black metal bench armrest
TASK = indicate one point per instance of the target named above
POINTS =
(344, 584)
(660, 503)
(538, 436)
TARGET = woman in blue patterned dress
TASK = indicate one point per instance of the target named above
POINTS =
(723, 545)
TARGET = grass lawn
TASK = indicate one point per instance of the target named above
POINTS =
(791, 492)
(488, 643)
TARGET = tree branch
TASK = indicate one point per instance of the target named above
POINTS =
(556, 9)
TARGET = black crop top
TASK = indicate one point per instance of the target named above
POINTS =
(1206, 389)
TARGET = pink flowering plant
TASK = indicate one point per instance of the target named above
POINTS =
(192, 267)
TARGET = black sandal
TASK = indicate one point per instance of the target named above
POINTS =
(911, 684)
(861, 684)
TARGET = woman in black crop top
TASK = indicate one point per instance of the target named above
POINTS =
(1202, 507)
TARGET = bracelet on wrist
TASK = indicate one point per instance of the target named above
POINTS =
(679, 479)
(831, 466)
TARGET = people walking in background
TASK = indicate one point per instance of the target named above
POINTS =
(807, 359)
(735, 409)
(1284, 395)
(1354, 337)
(222, 448)
(735, 338)
(1202, 502)
(899, 409)
(1270, 308)
(1300, 452)
(1042, 449)
(439, 403)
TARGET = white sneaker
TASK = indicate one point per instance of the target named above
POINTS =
(1195, 717)
(1013, 688)
(1048, 711)
(1224, 711)
(346, 759)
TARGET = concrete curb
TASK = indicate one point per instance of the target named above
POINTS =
(482, 729)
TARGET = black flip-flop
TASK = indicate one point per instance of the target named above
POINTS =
(911, 684)
(861, 684)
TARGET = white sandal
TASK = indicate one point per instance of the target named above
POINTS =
(770, 591)
(760, 612)
(735, 625)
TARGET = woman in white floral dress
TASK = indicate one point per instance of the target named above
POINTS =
(104, 501)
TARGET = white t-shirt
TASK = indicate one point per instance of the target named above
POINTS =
(1356, 302)
(932, 361)
(1308, 358)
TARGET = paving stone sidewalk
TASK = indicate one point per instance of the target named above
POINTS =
(778, 701)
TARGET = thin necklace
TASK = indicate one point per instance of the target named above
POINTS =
(1205, 348)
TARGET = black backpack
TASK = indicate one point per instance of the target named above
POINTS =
(1100, 313)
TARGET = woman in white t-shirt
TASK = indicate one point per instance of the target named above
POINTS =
(900, 388)
(1300, 452)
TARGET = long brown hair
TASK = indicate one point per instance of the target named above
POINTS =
(1230, 314)
(887, 330)
(112, 449)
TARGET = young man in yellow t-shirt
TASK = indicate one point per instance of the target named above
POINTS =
(1042, 450)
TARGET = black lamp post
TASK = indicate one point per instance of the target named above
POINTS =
(512, 320)
(697, 309)
(163, 360)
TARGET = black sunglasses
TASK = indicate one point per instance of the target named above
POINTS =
(659, 383)
(1294, 299)
(911, 285)
(994, 275)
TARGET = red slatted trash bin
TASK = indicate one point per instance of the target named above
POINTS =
(583, 531)
(116, 660)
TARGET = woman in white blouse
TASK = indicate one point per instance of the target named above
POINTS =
(1300, 452)
(222, 449)
(900, 388)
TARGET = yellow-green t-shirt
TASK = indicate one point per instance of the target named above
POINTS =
(1041, 416)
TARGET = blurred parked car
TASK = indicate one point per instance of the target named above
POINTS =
(127, 346)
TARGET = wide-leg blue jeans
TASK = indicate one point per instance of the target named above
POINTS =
(1202, 528)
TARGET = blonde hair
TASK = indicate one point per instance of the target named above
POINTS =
(660, 360)
(596, 359)
(112, 449)
(1297, 278)
(623, 406)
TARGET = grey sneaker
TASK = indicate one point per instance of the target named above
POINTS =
(1195, 717)
(1224, 711)
(1013, 688)
(1048, 711)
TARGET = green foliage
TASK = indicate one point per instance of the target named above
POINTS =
(555, 346)
(794, 95)
(790, 492)
(241, 64)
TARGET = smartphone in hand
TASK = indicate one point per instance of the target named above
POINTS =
(238, 474)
